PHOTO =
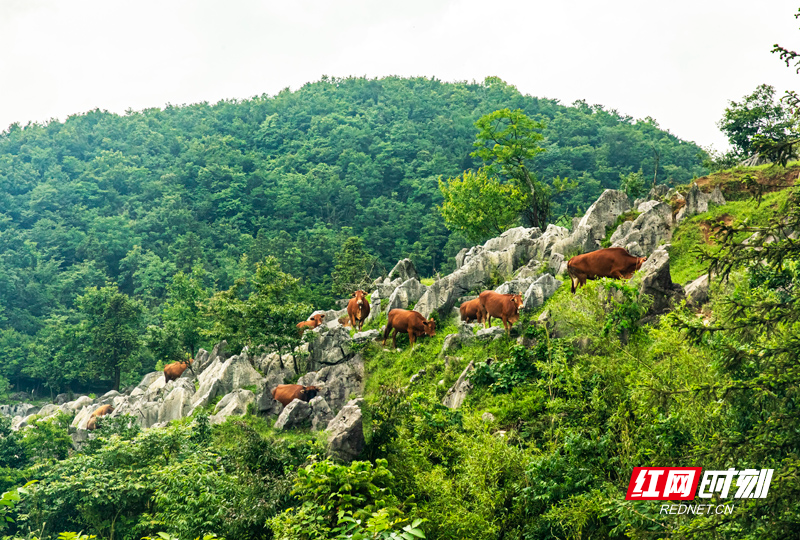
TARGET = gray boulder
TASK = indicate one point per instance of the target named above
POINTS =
(235, 403)
(346, 434)
(178, 402)
(491, 333)
(19, 409)
(697, 291)
(339, 382)
(515, 286)
(641, 236)
(591, 229)
(321, 413)
(365, 336)
(657, 282)
(295, 414)
(453, 342)
(329, 346)
(404, 270)
(539, 291)
(458, 392)
(147, 381)
(697, 202)
(409, 291)
(223, 376)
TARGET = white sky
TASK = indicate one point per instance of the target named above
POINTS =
(679, 61)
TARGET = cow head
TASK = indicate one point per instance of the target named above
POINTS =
(640, 261)
(517, 300)
(360, 297)
(430, 327)
(318, 319)
(310, 392)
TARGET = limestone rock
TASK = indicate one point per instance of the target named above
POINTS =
(458, 392)
(365, 336)
(178, 402)
(539, 291)
(339, 382)
(329, 346)
(453, 342)
(491, 333)
(294, 415)
(641, 236)
(697, 291)
(592, 227)
(657, 282)
(515, 286)
(404, 270)
(232, 404)
(407, 292)
(321, 413)
(346, 434)
(223, 376)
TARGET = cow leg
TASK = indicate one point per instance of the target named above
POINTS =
(572, 278)
(412, 337)
(386, 332)
(394, 339)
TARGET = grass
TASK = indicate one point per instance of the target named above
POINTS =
(428, 281)
(685, 264)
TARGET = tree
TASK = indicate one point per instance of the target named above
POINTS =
(261, 310)
(757, 116)
(182, 313)
(354, 267)
(110, 328)
(632, 184)
(479, 205)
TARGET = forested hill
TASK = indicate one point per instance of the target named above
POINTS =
(135, 198)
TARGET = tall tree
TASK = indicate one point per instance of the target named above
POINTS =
(354, 268)
(111, 328)
(182, 313)
(757, 115)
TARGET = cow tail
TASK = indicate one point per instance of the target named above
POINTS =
(387, 331)
(571, 277)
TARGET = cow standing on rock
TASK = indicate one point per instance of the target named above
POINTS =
(408, 322)
(174, 370)
(500, 306)
(613, 262)
(286, 393)
(358, 309)
(312, 322)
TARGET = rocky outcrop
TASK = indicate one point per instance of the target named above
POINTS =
(329, 346)
(657, 282)
(458, 392)
(453, 342)
(697, 202)
(697, 291)
(346, 434)
(591, 229)
(515, 286)
(407, 292)
(404, 270)
(295, 415)
(321, 413)
(178, 402)
(235, 403)
(641, 236)
(338, 383)
(539, 291)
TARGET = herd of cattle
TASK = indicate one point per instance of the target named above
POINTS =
(610, 262)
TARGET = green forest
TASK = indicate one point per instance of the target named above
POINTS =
(135, 199)
(130, 241)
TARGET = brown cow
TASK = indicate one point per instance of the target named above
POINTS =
(312, 322)
(613, 262)
(471, 309)
(358, 309)
(174, 370)
(408, 322)
(500, 306)
(286, 393)
(100, 411)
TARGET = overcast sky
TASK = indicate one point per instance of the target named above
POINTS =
(679, 62)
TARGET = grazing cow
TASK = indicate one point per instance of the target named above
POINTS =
(312, 322)
(100, 411)
(613, 262)
(286, 393)
(471, 309)
(408, 322)
(500, 306)
(174, 370)
(358, 309)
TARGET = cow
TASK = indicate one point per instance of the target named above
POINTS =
(286, 393)
(471, 309)
(500, 306)
(358, 309)
(175, 369)
(100, 411)
(613, 262)
(408, 322)
(312, 322)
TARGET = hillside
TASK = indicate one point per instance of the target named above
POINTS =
(135, 198)
(533, 436)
